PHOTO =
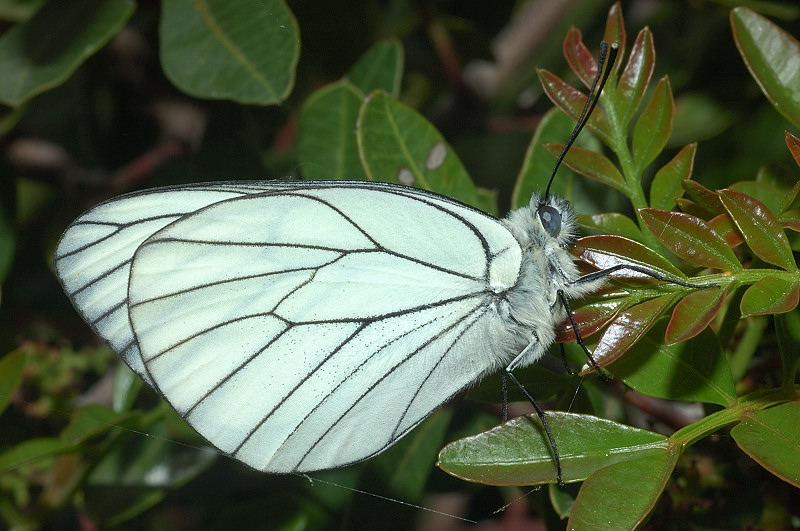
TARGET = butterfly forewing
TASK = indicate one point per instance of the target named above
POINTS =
(93, 256)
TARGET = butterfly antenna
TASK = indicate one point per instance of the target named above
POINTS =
(606, 58)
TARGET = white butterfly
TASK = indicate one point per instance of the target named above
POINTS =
(308, 325)
(301, 326)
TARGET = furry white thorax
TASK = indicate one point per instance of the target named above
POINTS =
(547, 267)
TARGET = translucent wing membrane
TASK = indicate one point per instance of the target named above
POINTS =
(278, 319)
(94, 254)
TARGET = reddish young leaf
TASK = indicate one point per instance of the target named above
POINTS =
(690, 207)
(628, 328)
(791, 220)
(760, 228)
(725, 227)
(578, 56)
(590, 164)
(636, 77)
(690, 238)
(652, 129)
(589, 318)
(770, 295)
(667, 184)
(693, 314)
(708, 199)
(615, 32)
(607, 251)
(794, 145)
(571, 101)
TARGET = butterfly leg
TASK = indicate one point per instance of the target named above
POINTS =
(545, 425)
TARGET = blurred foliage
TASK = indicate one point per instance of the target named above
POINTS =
(98, 105)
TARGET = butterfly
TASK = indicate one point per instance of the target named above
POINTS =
(300, 326)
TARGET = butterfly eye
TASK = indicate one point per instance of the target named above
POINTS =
(551, 220)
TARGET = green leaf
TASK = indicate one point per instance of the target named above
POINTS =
(538, 165)
(405, 467)
(544, 385)
(8, 236)
(652, 129)
(31, 450)
(690, 238)
(787, 327)
(326, 134)
(518, 452)
(326, 131)
(693, 314)
(590, 164)
(620, 496)
(43, 52)
(611, 223)
(636, 77)
(398, 145)
(772, 438)
(381, 68)
(668, 183)
(760, 228)
(770, 295)
(770, 55)
(245, 51)
(90, 421)
(11, 367)
(695, 370)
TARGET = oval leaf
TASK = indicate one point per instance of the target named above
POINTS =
(518, 452)
(620, 496)
(692, 371)
(381, 68)
(537, 167)
(769, 53)
(43, 52)
(326, 134)
(690, 238)
(772, 438)
(396, 143)
(770, 295)
(247, 53)
(760, 228)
